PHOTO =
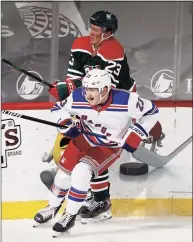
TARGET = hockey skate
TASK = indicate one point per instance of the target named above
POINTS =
(96, 211)
(45, 215)
(87, 202)
(64, 225)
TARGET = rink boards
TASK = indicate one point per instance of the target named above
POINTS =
(161, 192)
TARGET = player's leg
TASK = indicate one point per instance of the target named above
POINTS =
(80, 183)
(57, 194)
(47, 176)
(100, 189)
(61, 184)
(101, 209)
(100, 186)
(96, 161)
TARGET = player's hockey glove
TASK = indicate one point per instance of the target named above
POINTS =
(135, 135)
(62, 89)
(59, 91)
(69, 130)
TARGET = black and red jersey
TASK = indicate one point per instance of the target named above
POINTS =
(110, 56)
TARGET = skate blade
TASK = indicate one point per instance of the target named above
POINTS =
(102, 217)
(48, 223)
(60, 234)
(36, 224)
(86, 220)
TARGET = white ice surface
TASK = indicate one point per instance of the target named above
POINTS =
(174, 229)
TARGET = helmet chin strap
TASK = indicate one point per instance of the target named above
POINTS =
(101, 98)
(102, 39)
(102, 36)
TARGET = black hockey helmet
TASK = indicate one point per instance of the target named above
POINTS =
(104, 19)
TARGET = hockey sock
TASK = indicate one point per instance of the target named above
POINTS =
(59, 189)
(100, 186)
(57, 195)
(80, 182)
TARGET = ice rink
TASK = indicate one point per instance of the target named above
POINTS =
(136, 229)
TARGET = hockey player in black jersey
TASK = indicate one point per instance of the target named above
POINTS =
(98, 50)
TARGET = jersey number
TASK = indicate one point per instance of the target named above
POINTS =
(71, 62)
(114, 68)
(140, 104)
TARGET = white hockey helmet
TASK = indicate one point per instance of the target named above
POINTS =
(97, 78)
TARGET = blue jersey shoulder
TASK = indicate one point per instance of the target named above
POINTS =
(120, 96)
(78, 95)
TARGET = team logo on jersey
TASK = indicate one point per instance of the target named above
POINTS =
(11, 140)
(28, 88)
(88, 68)
(162, 83)
(38, 21)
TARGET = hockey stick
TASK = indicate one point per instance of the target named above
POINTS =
(27, 73)
(17, 115)
(153, 159)
(142, 154)
(150, 157)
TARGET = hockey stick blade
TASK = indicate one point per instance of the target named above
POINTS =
(27, 73)
(151, 158)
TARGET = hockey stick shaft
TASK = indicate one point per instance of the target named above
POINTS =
(17, 115)
(27, 73)
(142, 154)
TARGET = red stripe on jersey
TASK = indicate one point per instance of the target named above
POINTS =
(80, 104)
(83, 43)
(118, 106)
(106, 47)
(111, 49)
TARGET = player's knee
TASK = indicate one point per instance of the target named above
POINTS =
(81, 174)
(62, 180)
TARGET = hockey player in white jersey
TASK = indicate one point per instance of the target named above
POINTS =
(106, 112)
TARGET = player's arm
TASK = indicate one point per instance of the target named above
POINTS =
(146, 112)
(75, 67)
(75, 73)
(62, 114)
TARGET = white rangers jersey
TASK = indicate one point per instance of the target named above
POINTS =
(113, 119)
